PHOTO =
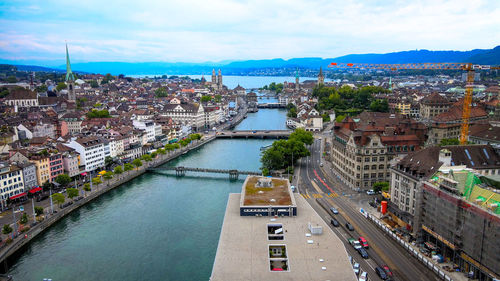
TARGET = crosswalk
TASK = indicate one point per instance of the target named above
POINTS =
(318, 195)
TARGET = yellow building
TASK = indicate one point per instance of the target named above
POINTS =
(404, 108)
(42, 168)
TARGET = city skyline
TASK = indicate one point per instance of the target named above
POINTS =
(229, 30)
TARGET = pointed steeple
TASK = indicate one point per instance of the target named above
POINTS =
(70, 77)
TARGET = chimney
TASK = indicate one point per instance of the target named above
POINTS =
(445, 157)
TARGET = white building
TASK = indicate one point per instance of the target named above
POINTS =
(148, 127)
(189, 114)
(11, 182)
(91, 150)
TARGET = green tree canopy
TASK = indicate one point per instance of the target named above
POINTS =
(72, 192)
(96, 180)
(11, 79)
(38, 211)
(218, 98)
(94, 84)
(161, 92)
(449, 142)
(137, 162)
(379, 106)
(128, 167)
(206, 98)
(118, 170)
(6, 229)
(302, 136)
(63, 179)
(58, 198)
(380, 186)
(94, 113)
(61, 86)
(41, 89)
(146, 157)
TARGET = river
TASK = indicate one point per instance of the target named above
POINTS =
(156, 227)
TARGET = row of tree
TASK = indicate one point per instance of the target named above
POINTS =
(348, 98)
(283, 154)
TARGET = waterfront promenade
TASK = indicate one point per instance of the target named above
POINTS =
(48, 219)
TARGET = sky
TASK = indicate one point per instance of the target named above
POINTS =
(34, 32)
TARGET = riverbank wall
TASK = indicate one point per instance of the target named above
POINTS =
(23, 239)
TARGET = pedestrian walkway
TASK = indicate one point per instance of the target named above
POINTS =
(318, 195)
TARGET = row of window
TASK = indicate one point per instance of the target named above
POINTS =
(12, 174)
(14, 180)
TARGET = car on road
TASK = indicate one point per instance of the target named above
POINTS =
(321, 164)
(355, 267)
(387, 270)
(335, 222)
(381, 273)
(363, 242)
(363, 277)
(354, 243)
(334, 210)
(363, 252)
(370, 192)
(349, 226)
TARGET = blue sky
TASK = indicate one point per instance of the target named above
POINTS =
(217, 30)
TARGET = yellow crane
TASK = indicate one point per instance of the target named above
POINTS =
(468, 67)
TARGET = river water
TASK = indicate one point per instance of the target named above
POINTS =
(156, 227)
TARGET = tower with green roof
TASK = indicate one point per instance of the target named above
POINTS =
(70, 78)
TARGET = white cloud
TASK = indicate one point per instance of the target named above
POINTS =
(255, 29)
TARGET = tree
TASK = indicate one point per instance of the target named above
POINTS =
(379, 106)
(283, 154)
(11, 79)
(46, 186)
(195, 136)
(146, 157)
(137, 162)
(154, 154)
(72, 192)
(161, 151)
(218, 98)
(6, 229)
(108, 161)
(128, 167)
(63, 179)
(205, 99)
(94, 84)
(58, 198)
(24, 219)
(302, 136)
(94, 113)
(378, 186)
(161, 92)
(108, 175)
(38, 211)
(86, 187)
(96, 180)
(41, 89)
(61, 86)
(118, 170)
(449, 142)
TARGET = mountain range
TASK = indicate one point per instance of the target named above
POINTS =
(477, 56)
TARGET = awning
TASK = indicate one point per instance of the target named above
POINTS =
(83, 174)
(17, 196)
(36, 189)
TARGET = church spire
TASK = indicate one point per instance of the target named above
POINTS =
(321, 77)
(70, 77)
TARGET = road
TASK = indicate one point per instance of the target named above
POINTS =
(315, 186)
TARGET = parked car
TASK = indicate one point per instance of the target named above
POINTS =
(363, 242)
(334, 210)
(371, 192)
(349, 226)
(355, 267)
(387, 270)
(354, 243)
(363, 277)
(335, 222)
(381, 273)
(363, 252)
(321, 164)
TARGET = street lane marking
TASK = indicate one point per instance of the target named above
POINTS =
(316, 195)
(332, 195)
(306, 196)
(324, 183)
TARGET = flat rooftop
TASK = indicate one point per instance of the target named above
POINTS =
(244, 251)
(255, 195)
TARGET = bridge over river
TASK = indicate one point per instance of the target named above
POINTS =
(181, 171)
(260, 134)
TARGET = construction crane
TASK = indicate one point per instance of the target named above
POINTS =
(468, 67)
